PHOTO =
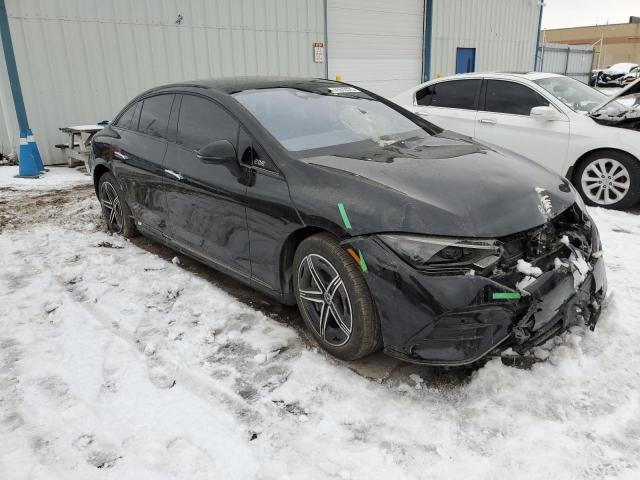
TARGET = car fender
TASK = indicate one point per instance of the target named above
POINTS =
(587, 136)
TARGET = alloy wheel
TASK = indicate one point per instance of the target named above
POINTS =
(605, 181)
(111, 204)
(325, 299)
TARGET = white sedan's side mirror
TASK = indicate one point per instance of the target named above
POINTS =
(547, 114)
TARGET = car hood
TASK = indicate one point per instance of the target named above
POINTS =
(441, 185)
(615, 113)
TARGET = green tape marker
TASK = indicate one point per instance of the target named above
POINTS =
(506, 296)
(362, 262)
(343, 214)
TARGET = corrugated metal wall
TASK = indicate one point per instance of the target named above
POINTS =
(503, 32)
(572, 60)
(376, 44)
(80, 61)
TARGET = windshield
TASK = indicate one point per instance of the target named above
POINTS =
(572, 93)
(303, 120)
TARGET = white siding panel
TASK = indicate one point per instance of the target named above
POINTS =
(81, 61)
(503, 32)
(376, 44)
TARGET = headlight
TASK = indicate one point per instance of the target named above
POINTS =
(444, 255)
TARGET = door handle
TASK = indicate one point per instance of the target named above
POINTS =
(120, 156)
(488, 121)
(175, 175)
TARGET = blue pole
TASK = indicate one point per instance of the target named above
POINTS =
(12, 69)
(535, 58)
(28, 154)
(428, 27)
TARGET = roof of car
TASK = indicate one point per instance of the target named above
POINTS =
(231, 85)
(525, 75)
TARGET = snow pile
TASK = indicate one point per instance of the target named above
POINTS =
(530, 274)
(579, 266)
(528, 269)
(117, 364)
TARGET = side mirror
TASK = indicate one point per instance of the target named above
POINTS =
(547, 114)
(220, 151)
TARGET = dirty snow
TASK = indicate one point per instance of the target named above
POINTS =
(117, 363)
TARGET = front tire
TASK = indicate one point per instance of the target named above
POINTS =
(115, 210)
(334, 299)
(609, 179)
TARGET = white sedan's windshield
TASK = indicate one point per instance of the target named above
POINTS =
(304, 120)
(572, 93)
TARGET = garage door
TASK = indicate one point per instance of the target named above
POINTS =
(376, 44)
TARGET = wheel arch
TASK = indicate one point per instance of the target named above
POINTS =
(287, 252)
(98, 171)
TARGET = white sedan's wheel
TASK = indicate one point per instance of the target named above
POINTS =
(609, 179)
(605, 181)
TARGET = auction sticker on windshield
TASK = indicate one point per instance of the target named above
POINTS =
(343, 90)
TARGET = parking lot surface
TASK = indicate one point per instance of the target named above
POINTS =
(122, 356)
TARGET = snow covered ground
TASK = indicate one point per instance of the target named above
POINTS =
(117, 363)
(57, 177)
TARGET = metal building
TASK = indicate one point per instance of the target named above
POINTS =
(613, 43)
(481, 35)
(80, 61)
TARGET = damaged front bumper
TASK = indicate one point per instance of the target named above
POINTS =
(456, 319)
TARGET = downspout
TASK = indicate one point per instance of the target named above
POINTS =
(326, 41)
(12, 69)
(535, 58)
(428, 29)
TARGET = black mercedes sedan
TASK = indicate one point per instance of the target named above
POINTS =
(386, 230)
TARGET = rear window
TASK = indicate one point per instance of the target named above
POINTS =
(305, 120)
(452, 94)
(154, 117)
(125, 119)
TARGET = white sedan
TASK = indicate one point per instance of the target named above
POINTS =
(563, 124)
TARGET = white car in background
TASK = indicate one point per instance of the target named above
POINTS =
(612, 76)
(564, 125)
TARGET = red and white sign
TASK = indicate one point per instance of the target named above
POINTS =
(318, 52)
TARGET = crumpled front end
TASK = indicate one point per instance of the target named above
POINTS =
(545, 280)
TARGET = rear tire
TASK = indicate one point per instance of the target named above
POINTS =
(609, 179)
(334, 300)
(115, 210)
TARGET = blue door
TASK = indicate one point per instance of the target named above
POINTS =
(465, 60)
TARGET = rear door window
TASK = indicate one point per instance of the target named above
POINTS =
(202, 121)
(513, 98)
(460, 94)
(154, 117)
(125, 119)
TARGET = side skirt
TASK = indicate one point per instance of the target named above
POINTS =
(245, 279)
